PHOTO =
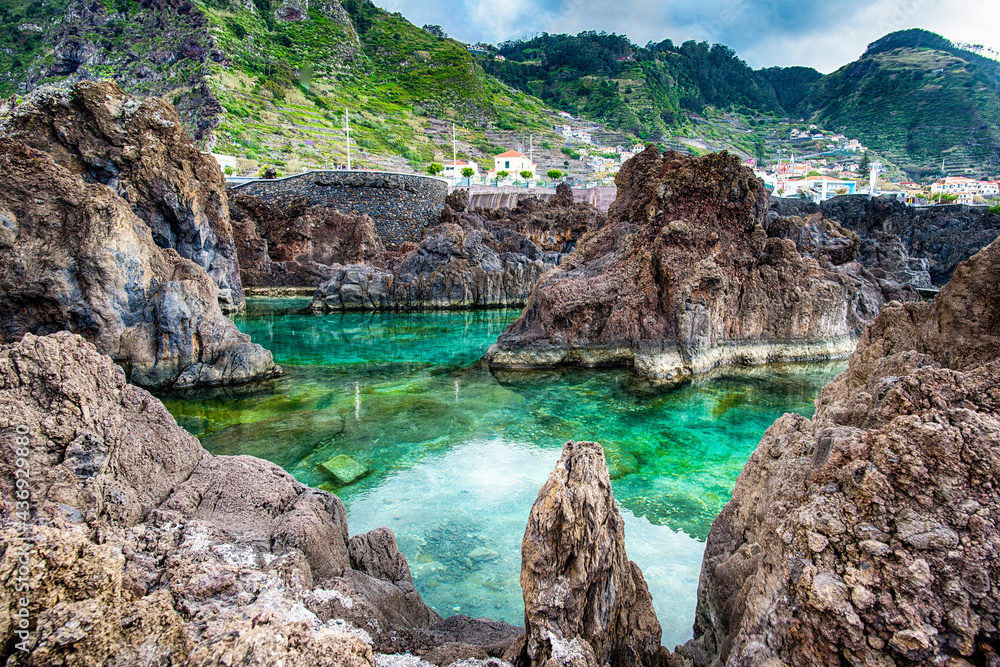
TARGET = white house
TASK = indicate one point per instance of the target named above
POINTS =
(624, 156)
(563, 114)
(583, 136)
(225, 161)
(454, 169)
(513, 163)
(638, 148)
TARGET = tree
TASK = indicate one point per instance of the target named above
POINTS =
(526, 174)
(502, 175)
(435, 168)
(467, 172)
(813, 173)
(554, 174)
(864, 169)
(435, 30)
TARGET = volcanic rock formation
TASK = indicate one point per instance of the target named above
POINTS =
(685, 277)
(296, 246)
(473, 259)
(140, 150)
(585, 602)
(142, 548)
(74, 256)
(942, 235)
(868, 535)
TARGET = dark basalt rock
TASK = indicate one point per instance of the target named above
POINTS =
(943, 235)
(687, 275)
(154, 547)
(474, 259)
(140, 150)
(585, 602)
(869, 532)
(74, 256)
(298, 245)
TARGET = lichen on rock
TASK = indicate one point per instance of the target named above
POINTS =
(146, 549)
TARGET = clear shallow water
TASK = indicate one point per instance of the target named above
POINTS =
(455, 456)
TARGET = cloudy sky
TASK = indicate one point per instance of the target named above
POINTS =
(823, 34)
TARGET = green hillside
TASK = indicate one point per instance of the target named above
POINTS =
(268, 80)
(646, 91)
(916, 98)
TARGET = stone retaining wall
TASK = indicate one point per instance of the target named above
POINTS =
(402, 205)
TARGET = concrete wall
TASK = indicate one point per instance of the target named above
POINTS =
(402, 205)
(507, 196)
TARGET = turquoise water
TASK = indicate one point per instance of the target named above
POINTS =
(454, 456)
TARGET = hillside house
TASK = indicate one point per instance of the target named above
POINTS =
(513, 162)
(454, 169)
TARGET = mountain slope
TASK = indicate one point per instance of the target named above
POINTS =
(268, 80)
(918, 99)
(644, 91)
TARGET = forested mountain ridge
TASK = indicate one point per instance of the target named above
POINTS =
(268, 80)
(642, 90)
(917, 98)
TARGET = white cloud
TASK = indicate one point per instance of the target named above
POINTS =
(763, 32)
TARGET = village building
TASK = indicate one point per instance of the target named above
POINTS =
(454, 169)
(513, 162)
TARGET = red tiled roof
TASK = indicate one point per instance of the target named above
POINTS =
(510, 154)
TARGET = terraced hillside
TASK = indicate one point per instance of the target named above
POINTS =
(268, 80)
(916, 98)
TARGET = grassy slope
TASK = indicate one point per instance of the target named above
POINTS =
(398, 81)
(915, 105)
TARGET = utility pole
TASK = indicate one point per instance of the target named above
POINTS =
(454, 154)
(347, 131)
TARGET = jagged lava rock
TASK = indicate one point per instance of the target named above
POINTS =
(585, 602)
(139, 149)
(146, 549)
(456, 266)
(74, 256)
(554, 225)
(684, 277)
(297, 245)
(868, 535)
(943, 235)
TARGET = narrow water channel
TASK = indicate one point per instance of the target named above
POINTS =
(453, 456)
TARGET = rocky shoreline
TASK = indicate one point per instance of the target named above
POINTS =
(94, 236)
(865, 535)
(690, 273)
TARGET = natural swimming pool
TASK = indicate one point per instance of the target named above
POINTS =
(454, 456)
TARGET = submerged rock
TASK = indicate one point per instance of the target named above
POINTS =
(146, 549)
(868, 534)
(74, 256)
(343, 469)
(140, 150)
(685, 277)
(585, 603)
